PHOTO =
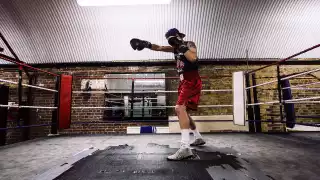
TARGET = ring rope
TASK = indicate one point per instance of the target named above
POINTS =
(285, 59)
(148, 107)
(160, 91)
(302, 99)
(262, 103)
(29, 126)
(122, 99)
(116, 102)
(303, 102)
(300, 74)
(291, 101)
(302, 85)
(289, 77)
(10, 59)
(29, 107)
(269, 82)
(27, 85)
(309, 89)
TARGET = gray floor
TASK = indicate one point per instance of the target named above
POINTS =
(294, 156)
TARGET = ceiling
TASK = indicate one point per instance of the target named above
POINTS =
(61, 31)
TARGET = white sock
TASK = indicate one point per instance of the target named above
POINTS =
(185, 138)
(196, 134)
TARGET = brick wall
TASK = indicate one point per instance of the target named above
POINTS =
(219, 77)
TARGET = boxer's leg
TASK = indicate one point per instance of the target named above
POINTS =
(193, 105)
(184, 125)
(192, 124)
(184, 152)
(198, 140)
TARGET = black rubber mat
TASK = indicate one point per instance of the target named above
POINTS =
(149, 162)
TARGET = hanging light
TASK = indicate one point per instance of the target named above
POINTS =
(120, 2)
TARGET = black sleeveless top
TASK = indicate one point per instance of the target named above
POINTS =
(183, 65)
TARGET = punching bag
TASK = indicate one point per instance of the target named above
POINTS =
(288, 108)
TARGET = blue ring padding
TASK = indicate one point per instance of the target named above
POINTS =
(146, 129)
(288, 108)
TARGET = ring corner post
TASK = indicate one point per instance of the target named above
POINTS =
(279, 92)
(55, 112)
(20, 111)
(249, 108)
(256, 108)
(4, 99)
(64, 102)
(28, 112)
(132, 98)
(239, 98)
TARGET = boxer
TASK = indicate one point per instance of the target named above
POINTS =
(185, 54)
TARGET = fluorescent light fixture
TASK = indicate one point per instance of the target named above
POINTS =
(120, 2)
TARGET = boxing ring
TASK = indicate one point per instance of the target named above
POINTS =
(251, 104)
(228, 155)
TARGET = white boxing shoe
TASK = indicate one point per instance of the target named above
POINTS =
(181, 154)
(198, 142)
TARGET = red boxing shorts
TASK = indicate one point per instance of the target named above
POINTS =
(189, 90)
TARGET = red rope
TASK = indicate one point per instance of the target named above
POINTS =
(25, 65)
(282, 60)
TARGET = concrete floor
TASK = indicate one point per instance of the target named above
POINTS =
(277, 156)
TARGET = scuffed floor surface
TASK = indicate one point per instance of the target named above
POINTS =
(226, 156)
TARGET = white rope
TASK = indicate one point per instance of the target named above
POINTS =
(103, 92)
(38, 107)
(302, 85)
(302, 99)
(159, 91)
(116, 102)
(144, 98)
(269, 82)
(303, 102)
(27, 85)
(115, 99)
(29, 107)
(308, 89)
(217, 90)
(262, 103)
(14, 106)
(148, 107)
(203, 106)
(122, 99)
(300, 74)
(291, 101)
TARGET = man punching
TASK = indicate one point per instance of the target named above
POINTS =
(185, 53)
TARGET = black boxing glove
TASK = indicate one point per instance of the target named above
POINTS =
(174, 41)
(139, 45)
(183, 48)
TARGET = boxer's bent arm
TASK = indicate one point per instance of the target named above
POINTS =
(191, 54)
(162, 48)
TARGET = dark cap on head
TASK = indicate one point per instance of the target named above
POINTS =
(174, 32)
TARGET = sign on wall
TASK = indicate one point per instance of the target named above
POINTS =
(95, 84)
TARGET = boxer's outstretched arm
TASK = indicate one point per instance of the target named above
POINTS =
(155, 47)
